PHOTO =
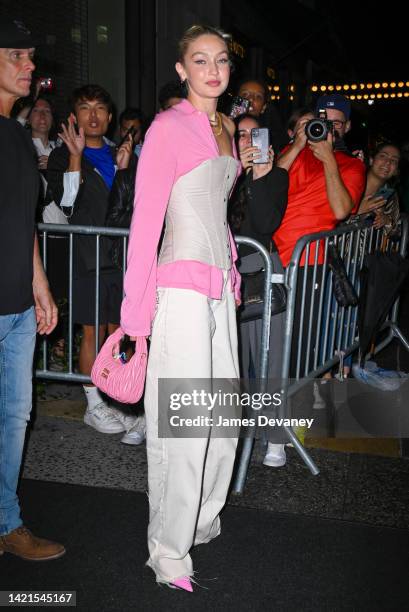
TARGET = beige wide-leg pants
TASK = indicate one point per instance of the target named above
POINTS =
(192, 337)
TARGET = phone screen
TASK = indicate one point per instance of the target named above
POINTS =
(385, 193)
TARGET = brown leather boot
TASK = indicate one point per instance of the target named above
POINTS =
(24, 544)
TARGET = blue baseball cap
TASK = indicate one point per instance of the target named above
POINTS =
(336, 101)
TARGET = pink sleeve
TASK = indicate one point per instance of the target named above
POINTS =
(154, 181)
(235, 275)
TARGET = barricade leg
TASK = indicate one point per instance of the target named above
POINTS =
(247, 449)
(302, 452)
(244, 463)
(398, 334)
(394, 332)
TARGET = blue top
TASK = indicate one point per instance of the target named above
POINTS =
(102, 160)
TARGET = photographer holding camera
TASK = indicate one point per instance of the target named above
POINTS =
(326, 182)
(325, 185)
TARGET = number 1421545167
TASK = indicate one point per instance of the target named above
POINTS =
(38, 598)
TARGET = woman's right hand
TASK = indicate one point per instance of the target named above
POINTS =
(260, 170)
(300, 137)
(248, 155)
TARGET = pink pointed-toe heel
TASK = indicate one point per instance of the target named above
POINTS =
(183, 583)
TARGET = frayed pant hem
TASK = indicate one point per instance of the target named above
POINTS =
(167, 580)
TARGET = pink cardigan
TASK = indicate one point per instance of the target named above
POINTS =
(179, 140)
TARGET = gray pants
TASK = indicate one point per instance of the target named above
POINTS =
(250, 336)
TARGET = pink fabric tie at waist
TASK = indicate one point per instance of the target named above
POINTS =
(193, 275)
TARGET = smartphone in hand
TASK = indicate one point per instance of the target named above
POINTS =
(260, 137)
(385, 192)
(46, 83)
(130, 132)
(239, 106)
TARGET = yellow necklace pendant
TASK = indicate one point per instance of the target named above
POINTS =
(217, 126)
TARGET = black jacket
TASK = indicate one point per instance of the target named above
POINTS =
(259, 206)
(120, 205)
(121, 198)
(90, 209)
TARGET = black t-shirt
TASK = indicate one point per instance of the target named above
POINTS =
(19, 185)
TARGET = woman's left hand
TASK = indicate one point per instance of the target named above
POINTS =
(260, 170)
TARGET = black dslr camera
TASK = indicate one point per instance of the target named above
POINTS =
(318, 129)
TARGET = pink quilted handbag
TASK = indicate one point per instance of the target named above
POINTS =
(123, 382)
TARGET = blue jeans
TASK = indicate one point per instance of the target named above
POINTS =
(17, 341)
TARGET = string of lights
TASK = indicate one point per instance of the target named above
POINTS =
(355, 91)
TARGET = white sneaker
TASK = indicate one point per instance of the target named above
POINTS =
(103, 418)
(128, 420)
(137, 433)
(275, 455)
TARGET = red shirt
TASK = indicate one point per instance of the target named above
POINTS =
(308, 210)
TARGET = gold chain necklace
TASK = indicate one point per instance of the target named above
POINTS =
(217, 126)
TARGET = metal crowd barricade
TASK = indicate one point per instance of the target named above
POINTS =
(323, 334)
(49, 230)
(325, 331)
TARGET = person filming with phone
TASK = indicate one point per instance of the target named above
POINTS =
(258, 95)
(256, 210)
(131, 122)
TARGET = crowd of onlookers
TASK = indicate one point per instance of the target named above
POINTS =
(89, 179)
(82, 173)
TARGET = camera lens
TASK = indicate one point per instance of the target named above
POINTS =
(316, 130)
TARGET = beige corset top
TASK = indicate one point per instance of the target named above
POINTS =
(196, 217)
